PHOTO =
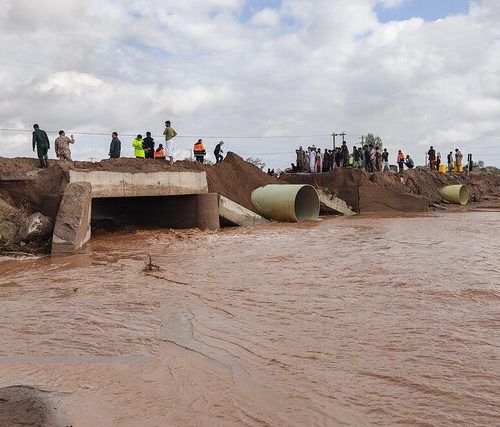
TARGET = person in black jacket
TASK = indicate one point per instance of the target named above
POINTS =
(148, 144)
(218, 151)
(115, 146)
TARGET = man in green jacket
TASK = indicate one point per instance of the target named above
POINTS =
(41, 141)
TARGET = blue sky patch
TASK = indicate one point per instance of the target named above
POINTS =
(157, 52)
(251, 7)
(429, 10)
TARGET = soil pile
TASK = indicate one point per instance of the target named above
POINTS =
(426, 183)
(346, 183)
(21, 406)
(235, 179)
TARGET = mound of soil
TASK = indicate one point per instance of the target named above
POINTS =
(235, 179)
(345, 182)
(26, 406)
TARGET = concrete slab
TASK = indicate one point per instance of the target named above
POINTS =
(334, 203)
(125, 184)
(237, 214)
(72, 228)
(375, 199)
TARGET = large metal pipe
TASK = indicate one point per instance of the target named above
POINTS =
(458, 194)
(287, 202)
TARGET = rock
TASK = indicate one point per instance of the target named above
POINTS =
(36, 227)
(9, 223)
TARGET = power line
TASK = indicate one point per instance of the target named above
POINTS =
(178, 136)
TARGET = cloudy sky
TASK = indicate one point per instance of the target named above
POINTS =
(263, 75)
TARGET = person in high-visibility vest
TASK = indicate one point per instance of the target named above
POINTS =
(138, 150)
(199, 151)
(160, 152)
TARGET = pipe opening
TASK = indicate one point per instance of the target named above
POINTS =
(306, 204)
(464, 195)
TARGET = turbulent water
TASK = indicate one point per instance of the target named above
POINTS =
(344, 321)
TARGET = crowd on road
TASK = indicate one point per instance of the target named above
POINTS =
(144, 148)
(367, 157)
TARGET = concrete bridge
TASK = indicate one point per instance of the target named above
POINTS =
(157, 199)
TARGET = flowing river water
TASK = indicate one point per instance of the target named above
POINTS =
(343, 321)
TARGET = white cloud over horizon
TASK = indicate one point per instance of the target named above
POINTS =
(302, 68)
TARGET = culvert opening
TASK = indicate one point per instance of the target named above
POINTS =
(118, 213)
(307, 204)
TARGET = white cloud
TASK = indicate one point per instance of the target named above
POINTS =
(307, 68)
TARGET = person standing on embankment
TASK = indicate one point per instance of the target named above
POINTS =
(218, 151)
(458, 159)
(115, 147)
(61, 145)
(148, 144)
(41, 141)
(169, 144)
(199, 151)
(138, 148)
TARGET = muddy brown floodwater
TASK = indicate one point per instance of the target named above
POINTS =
(344, 321)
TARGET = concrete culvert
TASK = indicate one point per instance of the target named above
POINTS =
(287, 202)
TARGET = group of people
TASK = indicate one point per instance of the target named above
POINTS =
(435, 160)
(42, 144)
(200, 152)
(367, 157)
(144, 148)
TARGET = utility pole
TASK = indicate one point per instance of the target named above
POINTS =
(337, 134)
(362, 137)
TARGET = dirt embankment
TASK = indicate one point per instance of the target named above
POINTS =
(26, 188)
(367, 191)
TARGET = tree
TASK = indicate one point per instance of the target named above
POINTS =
(376, 141)
(479, 165)
(256, 161)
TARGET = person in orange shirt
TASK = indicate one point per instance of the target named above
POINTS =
(401, 160)
(160, 152)
(199, 151)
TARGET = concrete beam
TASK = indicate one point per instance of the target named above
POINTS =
(207, 212)
(237, 214)
(72, 228)
(125, 184)
(334, 203)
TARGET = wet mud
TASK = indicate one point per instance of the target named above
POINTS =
(344, 321)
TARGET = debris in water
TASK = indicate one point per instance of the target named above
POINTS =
(150, 266)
